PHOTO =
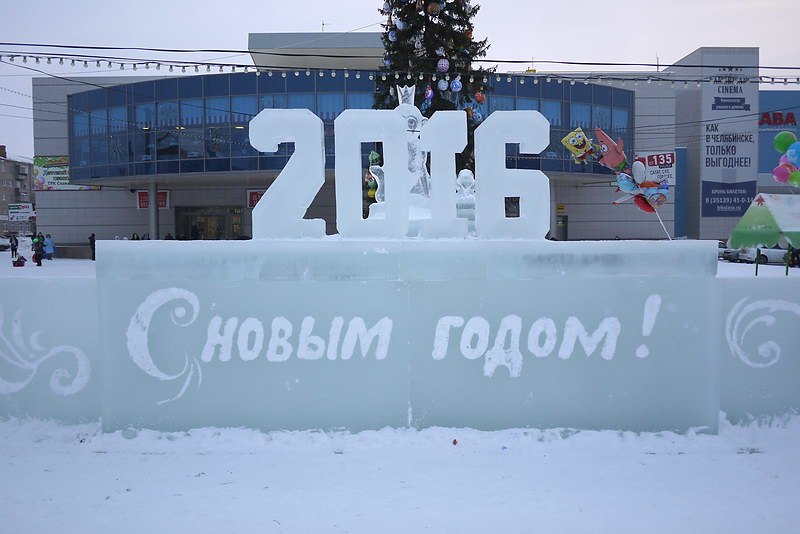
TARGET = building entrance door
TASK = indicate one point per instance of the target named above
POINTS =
(209, 223)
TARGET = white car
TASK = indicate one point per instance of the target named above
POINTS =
(5, 242)
(768, 255)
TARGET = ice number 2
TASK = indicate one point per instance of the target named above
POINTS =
(280, 211)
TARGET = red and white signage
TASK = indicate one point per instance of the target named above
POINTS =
(253, 196)
(143, 200)
(660, 166)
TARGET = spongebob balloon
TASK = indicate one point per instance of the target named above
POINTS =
(579, 144)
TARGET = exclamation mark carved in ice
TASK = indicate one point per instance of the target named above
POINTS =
(651, 308)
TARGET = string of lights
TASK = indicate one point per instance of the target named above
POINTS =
(634, 78)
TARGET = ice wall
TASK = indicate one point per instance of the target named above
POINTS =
(363, 334)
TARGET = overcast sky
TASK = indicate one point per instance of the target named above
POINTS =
(642, 31)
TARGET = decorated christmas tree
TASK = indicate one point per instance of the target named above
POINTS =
(429, 44)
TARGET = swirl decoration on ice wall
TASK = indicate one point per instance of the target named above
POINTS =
(744, 317)
(137, 336)
(25, 358)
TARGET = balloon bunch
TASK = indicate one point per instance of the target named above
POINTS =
(788, 169)
(646, 195)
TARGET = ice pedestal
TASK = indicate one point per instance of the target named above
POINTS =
(360, 334)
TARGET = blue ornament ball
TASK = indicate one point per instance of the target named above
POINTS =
(442, 85)
(455, 86)
(400, 25)
(443, 65)
(392, 36)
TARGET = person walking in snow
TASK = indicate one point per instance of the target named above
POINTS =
(49, 247)
(14, 242)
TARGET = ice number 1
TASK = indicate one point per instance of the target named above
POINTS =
(280, 211)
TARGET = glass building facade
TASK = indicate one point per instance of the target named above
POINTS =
(199, 124)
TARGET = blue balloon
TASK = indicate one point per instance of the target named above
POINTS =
(793, 154)
(626, 183)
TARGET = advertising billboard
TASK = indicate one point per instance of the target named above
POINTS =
(51, 173)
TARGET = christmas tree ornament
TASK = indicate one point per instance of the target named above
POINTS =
(392, 36)
(387, 62)
(455, 85)
(385, 10)
(443, 65)
(477, 116)
(434, 8)
(442, 85)
(428, 92)
(480, 98)
(440, 51)
(400, 25)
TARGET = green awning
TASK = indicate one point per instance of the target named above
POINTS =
(768, 219)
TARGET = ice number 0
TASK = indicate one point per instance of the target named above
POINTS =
(280, 211)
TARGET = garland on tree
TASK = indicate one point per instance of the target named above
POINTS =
(430, 43)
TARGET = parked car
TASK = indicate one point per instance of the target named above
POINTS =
(732, 254)
(5, 242)
(721, 246)
(768, 255)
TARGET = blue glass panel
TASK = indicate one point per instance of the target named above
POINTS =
(622, 98)
(167, 167)
(300, 83)
(145, 116)
(581, 93)
(116, 96)
(99, 172)
(98, 121)
(271, 84)
(80, 152)
(329, 105)
(193, 143)
(620, 119)
(142, 92)
(144, 147)
(99, 147)
(552, 90)
(240, 142)
(272, 163)
(360, 82)
(276, 101)
(216, 84)
(190, 87)
(501, 103)
(529, 88)
(167, 115)
(79, 173)
(244, 164)
(580, 116)
(143, 169)
(528, 162)
(218, 111)
(167, 145)
(602, 95)
(218, 165)
(330, 81)
(503, 87)
(118, 119)
(528, 103)
(556, 165)
(80, 125)
(191, 112)
(218, 142)
(118, 170)
(244, 83)
(359, 100)
(79, 101)
(97, 99)
(243, 109)
(551, 110)
(601, 117)
(167, 89)
(118, 149)
(301, 101)
(196, 165)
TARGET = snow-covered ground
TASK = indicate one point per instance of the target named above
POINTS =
(73, 479)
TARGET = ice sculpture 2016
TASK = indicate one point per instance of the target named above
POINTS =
(373, 328)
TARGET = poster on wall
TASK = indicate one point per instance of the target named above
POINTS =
(729, 144)
(51, 173)
(143, 199)
(659, 166)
